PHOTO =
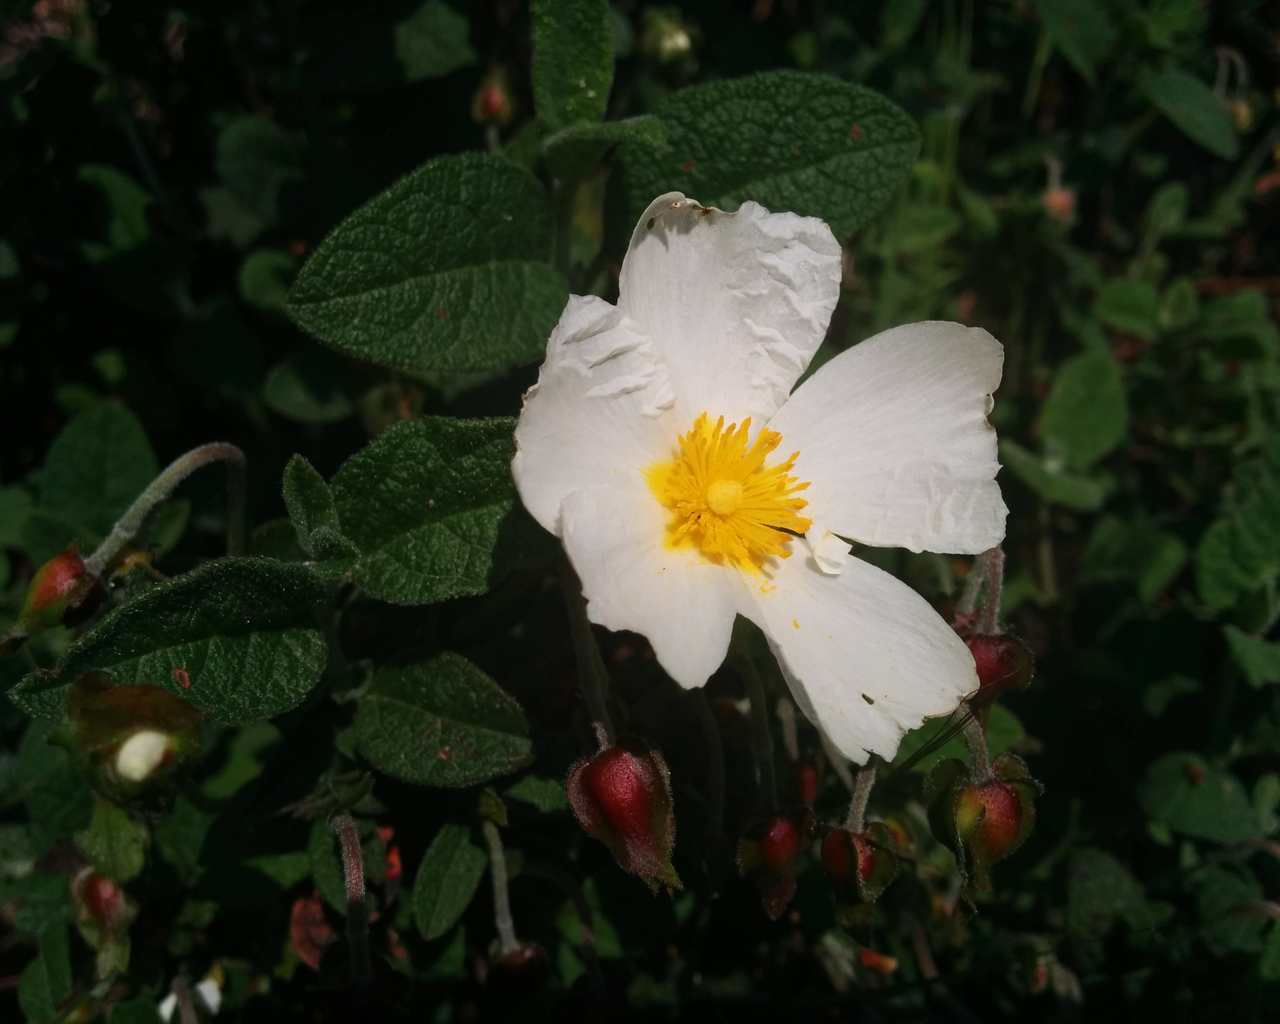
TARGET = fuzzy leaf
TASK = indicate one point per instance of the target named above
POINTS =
(114, 843)
(1192, 106)
(1086, 414)
(241, 629)
(46, 981)
(1130, 306)
(806, 143)
(1081, 29)
(96, 467)
(443, 272)
(574, 152)
(1240, 551)
(1257, 658)
(441, 722)
(447, 880)
(1186, 794)
(313, 512)
(1050, 480)
(572, 60)
(427, 504)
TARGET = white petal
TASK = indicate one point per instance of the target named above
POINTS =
(737, 303)
(893, 435)
(829, 551)
(861, 634)
(683, 604)
(598, 415)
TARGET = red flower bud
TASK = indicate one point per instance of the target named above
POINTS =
(624, 800)
(491, 103)
(60, 588)
(309, 930)
(769, 855)
(878, 963)
(990, 819)
(806, 781)
(871, 852)
(1003, 662)
(1060, 204)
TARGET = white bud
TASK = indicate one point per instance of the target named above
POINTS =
(141, 754)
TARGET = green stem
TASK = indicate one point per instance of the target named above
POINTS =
(862, 785)
(975, 736)
(163, 486)
(357, 904)
(593, 677)
(715, 762)
(761, 737)
(502, 919)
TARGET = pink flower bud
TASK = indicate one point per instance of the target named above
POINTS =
(1003, 662)
(60, 588)
(770, 854)
(860, 864)
(624, 800)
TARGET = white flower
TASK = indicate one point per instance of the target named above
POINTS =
(647, 446)
(141, 754)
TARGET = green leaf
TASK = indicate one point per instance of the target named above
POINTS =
(572, 60)
(1121, 551)
(1051, 481)
(1129, 306)
(444, 272)
(46, 981)
(313, 512)
(96, 466)
(441, 722)
(574, 152)
(1180, 305)
(265, 276)
(1086, 414)
(1229, 899)
(390, 44)
(49, 783)
(805, 143)
(114, 843)
(135, 1011)
(308, 388)
(547, 795)
(1189, 796)
(1081, 29)
(1003, 732)
(1192, 106)
(1100, 892)
(447, 880)
(1240, 551)
(427, 505)
(1269, 964)
(1257, 658)
(1243, 317)
(256, 160)
(242, 629)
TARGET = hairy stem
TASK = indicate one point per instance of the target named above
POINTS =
(975, 736)
(357, 905)
(715, 762)
(993, 563)
(163, 486)
(761, 737)
(502, 920)
(862, 783)
(593, 678)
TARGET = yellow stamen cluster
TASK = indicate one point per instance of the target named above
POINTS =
(724, 500)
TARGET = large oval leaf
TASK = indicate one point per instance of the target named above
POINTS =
(235, 637)
(447, 880)
(808, 143)
(445, 272)
(441, 722)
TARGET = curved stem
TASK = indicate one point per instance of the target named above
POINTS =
(593, 677)
(502, 920)
(715, 762)
(163, 486)
(994, 565)
(975, 736)
(761, 737)
(357, 905)
(862, 784)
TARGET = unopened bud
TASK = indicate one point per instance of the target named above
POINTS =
(101, 900)
(769, 855)
(860, 864)
(60, 589)
(624, 800)
(992, 820)
(1060, 204)
(666, 38)
(491, 103)
(877, 963)
(1002, 660)
(310, 933)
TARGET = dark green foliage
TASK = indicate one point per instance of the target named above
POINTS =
(290, 227)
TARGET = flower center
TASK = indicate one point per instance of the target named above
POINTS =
(724, 500)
